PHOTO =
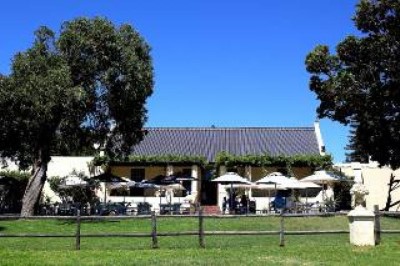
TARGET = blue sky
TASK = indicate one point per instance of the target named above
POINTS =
(222, 63)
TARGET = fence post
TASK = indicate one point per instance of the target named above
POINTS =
(154, 230)
(78, 230)
(282, 232)
(377, 227)
(201, 227)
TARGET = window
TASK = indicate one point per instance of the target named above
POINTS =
(186, 172)
(138, 174)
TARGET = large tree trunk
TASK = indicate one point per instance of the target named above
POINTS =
(34, 187)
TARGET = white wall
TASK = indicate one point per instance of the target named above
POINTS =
(63, 165)
(59, 166)
(376, 180)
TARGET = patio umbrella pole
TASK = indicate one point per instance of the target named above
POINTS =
(105, 193)
(276, 191)
(325, 186)
(306, 201)
(269, 201)
(232, 200)
(160, 199)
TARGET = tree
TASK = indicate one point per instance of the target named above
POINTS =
(393, 185)
(360, 83)
(355, 150)
(82, 194)
(89, 85)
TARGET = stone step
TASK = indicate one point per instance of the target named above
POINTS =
(211, 209)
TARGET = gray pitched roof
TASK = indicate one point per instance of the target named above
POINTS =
(208, 142)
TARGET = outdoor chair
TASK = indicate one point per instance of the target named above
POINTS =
(143, 208)
(252, 207)
(278, 205)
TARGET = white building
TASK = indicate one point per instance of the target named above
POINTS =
(376, 180)
(60, 166)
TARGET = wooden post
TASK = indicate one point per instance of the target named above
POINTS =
(201, 227)
(282, 232)
(78, 230)
(377, 227)
(154, 230)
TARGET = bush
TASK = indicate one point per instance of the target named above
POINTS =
(12, 189)
(80, 194)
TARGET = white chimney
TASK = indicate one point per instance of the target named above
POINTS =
(321, 145)
(356, 166)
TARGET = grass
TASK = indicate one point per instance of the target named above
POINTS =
(220, 250)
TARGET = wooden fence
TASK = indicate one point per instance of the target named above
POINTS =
(201, 233)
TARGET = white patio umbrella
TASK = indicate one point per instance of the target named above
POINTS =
(279, 180)
(122, 184)
(231, 178)
(259, 186)
(305, 185)
(186, 178)
(73, 181)
(321, 177)
(117, 185)
(269, 187)
(171, 188)
(176, 187)
(64, 186)
(146, 184)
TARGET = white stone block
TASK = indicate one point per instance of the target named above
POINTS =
(361, 223)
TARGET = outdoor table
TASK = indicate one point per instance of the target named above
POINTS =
(173, 208)
(131, 209)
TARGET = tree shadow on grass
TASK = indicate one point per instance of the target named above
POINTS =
(2, 228)
(392, 216)
(99, 221)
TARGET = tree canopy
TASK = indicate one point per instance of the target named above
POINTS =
(360, 83)
(87, 85)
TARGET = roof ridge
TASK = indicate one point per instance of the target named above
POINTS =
(230, 128)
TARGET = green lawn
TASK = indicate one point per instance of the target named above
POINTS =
(221, 250)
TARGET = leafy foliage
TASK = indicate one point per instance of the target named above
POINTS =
(359, 84)
(315, 161)
(16, 175)
(355, 152)
(87, 86)
(81, 194)
(224, 158)
(12, 187)
(341, 190)
(153, 159)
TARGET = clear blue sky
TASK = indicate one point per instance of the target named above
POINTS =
(223, 63)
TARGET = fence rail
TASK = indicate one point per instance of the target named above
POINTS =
(128, 217)
(200, 233)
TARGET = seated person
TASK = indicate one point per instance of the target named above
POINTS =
(279, 202)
